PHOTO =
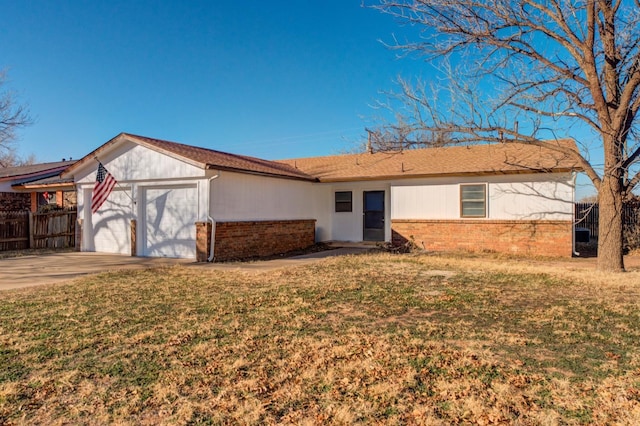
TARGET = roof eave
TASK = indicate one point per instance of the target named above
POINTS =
(438, 175)
(258, 173)
(29, 188)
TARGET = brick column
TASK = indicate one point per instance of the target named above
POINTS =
(203, 241)
(59, 200)
(34, 202)
(134, 251)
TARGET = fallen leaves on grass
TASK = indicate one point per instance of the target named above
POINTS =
(376, 339)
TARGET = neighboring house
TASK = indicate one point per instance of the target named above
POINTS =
(35, 185)
(177, 200)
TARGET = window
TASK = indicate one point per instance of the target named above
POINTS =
(46, 198)
(343, 201)
(473, 200)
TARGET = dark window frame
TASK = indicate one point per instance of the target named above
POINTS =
(343, 206)
(464, 200)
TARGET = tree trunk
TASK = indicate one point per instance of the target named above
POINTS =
(610, 224)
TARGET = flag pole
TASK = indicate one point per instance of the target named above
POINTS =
(117, 182)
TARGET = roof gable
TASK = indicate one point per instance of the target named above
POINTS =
(199, 157)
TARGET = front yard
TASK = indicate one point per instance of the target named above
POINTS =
(361, 339)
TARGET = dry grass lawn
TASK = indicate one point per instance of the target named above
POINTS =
(372, 339)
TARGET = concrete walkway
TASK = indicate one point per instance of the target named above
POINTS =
(34, 270)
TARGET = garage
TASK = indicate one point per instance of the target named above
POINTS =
(170, 214)
(109, 230)
(167, 195)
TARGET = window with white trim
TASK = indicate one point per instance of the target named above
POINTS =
(473, 200)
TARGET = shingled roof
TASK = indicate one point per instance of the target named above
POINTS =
(428, 162)
(445, 161)
(204, 158)
(33, 170)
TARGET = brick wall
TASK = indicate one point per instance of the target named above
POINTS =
(534, 237)
(203, 241)
(12, 201)
(242, 240)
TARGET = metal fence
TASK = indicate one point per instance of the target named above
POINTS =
(586, 216)
(23, 230)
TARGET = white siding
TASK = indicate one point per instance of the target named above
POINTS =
(243, 197)
(132, 162)
(430, 200)
(510, 197)
(348, 226)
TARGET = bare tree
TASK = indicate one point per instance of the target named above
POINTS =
(12, 117)
(519, 71)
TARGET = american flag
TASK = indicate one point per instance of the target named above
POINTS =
(104, 184)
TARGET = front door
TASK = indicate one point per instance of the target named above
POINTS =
(373, 216)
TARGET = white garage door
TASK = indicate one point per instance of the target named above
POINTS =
(110, 230)
(170, 215)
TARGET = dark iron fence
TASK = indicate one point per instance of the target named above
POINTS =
(586, 216)
(23, 230)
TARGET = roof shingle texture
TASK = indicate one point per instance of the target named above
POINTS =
(34, 169)
(211, 159)
(458, 160)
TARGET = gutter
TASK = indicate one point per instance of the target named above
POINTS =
(212, 220)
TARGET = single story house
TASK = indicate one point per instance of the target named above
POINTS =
(32, 186)
(177, 200)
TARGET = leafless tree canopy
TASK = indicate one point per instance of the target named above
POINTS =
(12, 117)
(519, 72)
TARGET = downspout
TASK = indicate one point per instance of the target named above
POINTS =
(573, 212)
(212, 220)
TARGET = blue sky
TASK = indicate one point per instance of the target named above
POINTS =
(271, 79)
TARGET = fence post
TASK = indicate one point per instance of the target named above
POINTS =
(31, 231)
(78, 236)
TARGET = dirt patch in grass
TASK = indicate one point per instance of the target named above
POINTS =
(372, 339)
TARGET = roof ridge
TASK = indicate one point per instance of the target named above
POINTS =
(427, 148)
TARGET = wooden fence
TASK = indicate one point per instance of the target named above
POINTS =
(14, 230)
(24, 230)
(586, 216)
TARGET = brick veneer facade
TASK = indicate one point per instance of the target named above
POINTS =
(242, 240)
(13, 201)
(203, 241)
(527, 237)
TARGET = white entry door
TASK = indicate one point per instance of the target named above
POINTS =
(170, 215)
(110, 226)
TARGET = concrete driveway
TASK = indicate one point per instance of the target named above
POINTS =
(29, 271)
(34, 270)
